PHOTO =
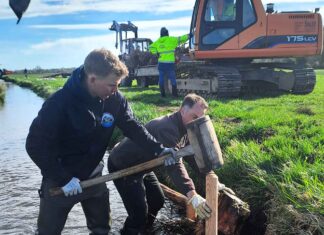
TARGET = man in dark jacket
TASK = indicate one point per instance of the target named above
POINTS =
(141, 193)
(68, 139)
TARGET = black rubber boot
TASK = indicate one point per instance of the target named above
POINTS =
(162, 91)
(174, 91)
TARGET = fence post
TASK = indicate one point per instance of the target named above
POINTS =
(211, 227)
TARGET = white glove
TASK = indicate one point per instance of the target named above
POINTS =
(72, 188)
(200, 206)
(171, 160)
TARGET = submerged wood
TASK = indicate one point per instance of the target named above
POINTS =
(232, 211)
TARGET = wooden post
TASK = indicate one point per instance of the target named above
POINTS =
(211, 227)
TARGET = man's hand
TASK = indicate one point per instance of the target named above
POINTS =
(200, 206)
(171, 160)
(72, 188)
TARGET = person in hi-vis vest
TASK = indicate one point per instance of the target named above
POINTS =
(165, 47)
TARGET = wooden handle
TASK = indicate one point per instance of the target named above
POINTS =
(186, 151)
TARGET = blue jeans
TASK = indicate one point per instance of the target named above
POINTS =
(169, 70)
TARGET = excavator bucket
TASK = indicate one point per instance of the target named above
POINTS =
(19, 7)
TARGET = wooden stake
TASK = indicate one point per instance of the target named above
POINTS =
(179, 199)
(211, 227)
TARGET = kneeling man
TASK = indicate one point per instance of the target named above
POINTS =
(141, 193)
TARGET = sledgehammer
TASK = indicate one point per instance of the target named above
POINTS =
(203, 144)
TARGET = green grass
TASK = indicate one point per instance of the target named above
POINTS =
(41, 86)
(2, 92)
(273, 149)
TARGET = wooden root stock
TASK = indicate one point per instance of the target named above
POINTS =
(186, 151)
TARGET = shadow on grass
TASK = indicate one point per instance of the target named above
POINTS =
(261, 95)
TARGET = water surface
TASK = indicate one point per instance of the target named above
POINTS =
(20, 178)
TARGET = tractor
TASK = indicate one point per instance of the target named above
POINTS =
(134, 52)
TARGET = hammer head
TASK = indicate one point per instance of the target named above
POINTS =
(203, 139)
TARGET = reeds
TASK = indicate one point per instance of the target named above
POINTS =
(2, 92)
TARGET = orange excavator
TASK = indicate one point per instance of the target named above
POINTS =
(236, 45)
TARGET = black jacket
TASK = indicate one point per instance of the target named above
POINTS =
(67, 138)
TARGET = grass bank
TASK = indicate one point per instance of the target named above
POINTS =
(2, 92)
(41, 86)
(273, 147)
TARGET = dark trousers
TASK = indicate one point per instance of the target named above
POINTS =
(167, 69)
(143, 198)
(54, 210)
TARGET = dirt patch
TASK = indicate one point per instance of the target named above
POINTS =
(256, 134)
(230, 120)
(305, 110)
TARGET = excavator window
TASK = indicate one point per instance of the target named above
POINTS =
(220, 10)
(248, 13)
(222, 20)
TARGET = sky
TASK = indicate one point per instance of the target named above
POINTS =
(60, 33)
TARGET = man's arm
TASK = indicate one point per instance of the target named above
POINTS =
(132, 129)
(177, 173)
(153, 48)
(42, 143)
(182, 39)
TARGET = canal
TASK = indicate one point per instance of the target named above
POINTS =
(20, 178)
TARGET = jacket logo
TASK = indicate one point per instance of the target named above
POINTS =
(107, 120)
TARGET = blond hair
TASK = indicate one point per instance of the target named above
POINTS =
(102, 63)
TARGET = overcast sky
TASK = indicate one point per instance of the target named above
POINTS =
(60, 33)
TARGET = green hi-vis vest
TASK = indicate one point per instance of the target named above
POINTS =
(165, 47)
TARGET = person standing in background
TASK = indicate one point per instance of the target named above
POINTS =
(165, 47)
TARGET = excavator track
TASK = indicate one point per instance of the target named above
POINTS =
(305, 80)
(216, 81)
(229, 84)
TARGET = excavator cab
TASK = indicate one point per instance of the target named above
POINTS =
(217, 21)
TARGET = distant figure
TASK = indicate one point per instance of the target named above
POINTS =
(165, 47)
(26, 73)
